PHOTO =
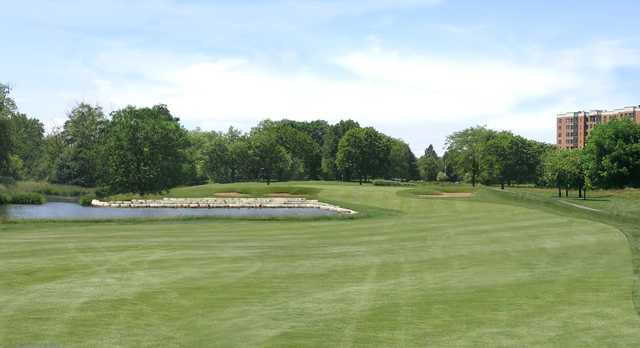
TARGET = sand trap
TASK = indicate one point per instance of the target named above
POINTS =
(229, 194)
(449, 195)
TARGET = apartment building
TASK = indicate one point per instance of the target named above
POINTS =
(573, 128)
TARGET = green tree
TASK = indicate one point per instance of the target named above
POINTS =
(241, 160)
(79, 163)
(330, 148)
(465, 150)
(508, 158)
(613, 151)
(229, 157)
(430, 164)
(297, 138)
(402, 162)
(28, 137)
(271, 158)
(7, 109)
(555, 172)
(54, 145)
(144, 150)
(567, 169)
(364, 153)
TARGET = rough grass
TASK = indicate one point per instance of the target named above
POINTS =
(493, 270)
(624, 202)
(49, 189)
(210, 190)
(15, 194)
(434, 188)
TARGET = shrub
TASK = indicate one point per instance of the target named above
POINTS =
(86, 200)
(4, 198)
(392, 183)
(7, 180)
(27, 198)
(102, 192)
(442, 177)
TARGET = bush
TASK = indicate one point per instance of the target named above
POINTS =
(442, 177)
(392, 183)
(102, 192)
(86, 200)
(27, 198)
(4, 198)
(7, 181)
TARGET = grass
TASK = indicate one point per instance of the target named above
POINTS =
(497, 269)
(37, 192)
(435, 188)
(244, 189)
(49, 189)
(624, 202)
(617, 208)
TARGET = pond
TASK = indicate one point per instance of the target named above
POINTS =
(73, 211)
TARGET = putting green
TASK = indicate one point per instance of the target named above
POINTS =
(437, 272)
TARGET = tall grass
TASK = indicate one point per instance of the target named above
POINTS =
(35, 192)
(49, 189)
(210, 190)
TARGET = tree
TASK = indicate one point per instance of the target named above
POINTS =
(79, 163)
(330, 148)
(363, 152)
(271, 158)
(304, 153)
(241, 160)
(7, 109)
(613, 151)
(228, 157)
(402, 162)
(196, 165)
(567, 169)
(430, 164)
(28, 137)
(144, 150)
(54, 145)
(554, 169)
(303, 142)
(465, 149)
(576, 175)
(442, 177)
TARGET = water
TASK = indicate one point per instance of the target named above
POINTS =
(73, 211)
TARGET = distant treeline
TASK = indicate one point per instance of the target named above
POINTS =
(146, 150)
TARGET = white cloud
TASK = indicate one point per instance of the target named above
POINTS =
(378, 85)
(375, 86)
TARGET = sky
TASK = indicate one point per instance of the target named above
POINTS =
(414, 69)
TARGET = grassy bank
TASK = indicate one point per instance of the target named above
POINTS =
(496, 269)
(36, 192)
(253, 189)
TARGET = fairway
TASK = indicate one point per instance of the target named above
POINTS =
(411, 271)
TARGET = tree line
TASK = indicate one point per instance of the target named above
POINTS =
(610, 159)
(147, 150)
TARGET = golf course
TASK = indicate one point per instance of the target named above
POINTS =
(413, 268)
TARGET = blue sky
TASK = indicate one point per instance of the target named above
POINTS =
(416, 69)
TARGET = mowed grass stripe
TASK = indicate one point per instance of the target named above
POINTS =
(443, 272)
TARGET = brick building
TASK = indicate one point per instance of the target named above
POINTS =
(572, 128)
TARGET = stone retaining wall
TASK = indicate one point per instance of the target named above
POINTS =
(210, 203)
